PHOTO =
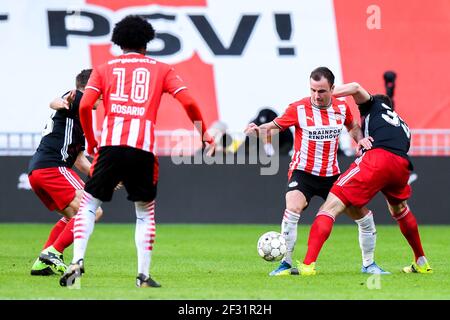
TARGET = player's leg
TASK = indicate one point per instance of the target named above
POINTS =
(105, 176)
(410, 230)
(56, 231)
(397, 192)
(140, 182)
(38, 184)
(145, 233)
(56, 187)
(366, 229)
(297, 199)
(71, 185)
(52, 255)
(40, 268)
(351, 189)
(363, 217)
(295, 203)
(65, 239)
(367, 236)
(320, 231)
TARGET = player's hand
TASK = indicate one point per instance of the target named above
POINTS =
(70, 97)
(67, 100)
(92, 148)
(252, 130)
(119, 186)
(364, 144)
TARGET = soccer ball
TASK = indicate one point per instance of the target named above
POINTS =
(272, 246)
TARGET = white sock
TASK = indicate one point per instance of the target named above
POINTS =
(84, 225)
(145, 234)
(367, 238)
(289, 231)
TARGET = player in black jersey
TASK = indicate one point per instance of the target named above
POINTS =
(53, 180)
(384, 166)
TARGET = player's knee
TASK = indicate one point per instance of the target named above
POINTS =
(396, 209)
(66, 213)
(295, 202)
(98, 214)
(71, 210)
(75, 204)
(295, 206)
(356, 213)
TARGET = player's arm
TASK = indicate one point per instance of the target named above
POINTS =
(87, 103)
(264, 131)
(64, 102)
(82, 163)
(353, 128)
(193, 111)
(267, 130)
(91, 94)
(354, 89)
(355, 132)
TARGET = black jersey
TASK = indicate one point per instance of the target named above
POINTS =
(387, 129)
(62, 139)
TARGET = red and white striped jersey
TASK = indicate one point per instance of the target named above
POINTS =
(316, 135)
(132, 85)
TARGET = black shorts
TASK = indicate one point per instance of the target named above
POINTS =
(310, 185)
(135, 168)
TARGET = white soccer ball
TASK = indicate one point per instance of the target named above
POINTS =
(272, 246)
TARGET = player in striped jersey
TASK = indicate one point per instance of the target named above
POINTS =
(53, 180)
(132, 85)
(318, 122)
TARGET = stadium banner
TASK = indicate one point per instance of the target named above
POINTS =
(236, 57)
(225, 194)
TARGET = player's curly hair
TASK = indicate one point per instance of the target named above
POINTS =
(133, 32)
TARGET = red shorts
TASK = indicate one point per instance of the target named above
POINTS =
(55, 186)
(376, 170)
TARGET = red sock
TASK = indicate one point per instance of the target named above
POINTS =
(408, 225)
(55, 232)
(65, 239)
(320, 231)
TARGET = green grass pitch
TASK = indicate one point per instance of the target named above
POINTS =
(220, 262)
